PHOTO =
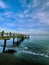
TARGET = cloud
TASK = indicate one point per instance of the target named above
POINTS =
(39, 32)
(45, 6)
(6, 29)
(35, 3)
(10, 25)
(29, 23)
(23, 3)
(26, 11)
(31, 19)
(43, 17)
(3, 5)
(32, 31)
(7, 14)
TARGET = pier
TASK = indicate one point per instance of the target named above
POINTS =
(8, 35)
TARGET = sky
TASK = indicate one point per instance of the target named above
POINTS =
(24, 16)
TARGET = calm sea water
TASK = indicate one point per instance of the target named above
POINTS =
(34, 50)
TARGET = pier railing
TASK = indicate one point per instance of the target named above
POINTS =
(8, 35)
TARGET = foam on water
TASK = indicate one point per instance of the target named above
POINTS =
(26, 51)
(32, 53)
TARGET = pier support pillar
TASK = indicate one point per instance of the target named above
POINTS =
(17, 39)
(4, 45)
(13, 41)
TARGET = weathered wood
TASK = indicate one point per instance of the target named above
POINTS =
(18, 39)
(4, 45)
(2, 33)
(13, 41)
(8, 35)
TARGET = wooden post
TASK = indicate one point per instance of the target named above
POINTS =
(4, 45)
(13, 41)
(7, 33)
(14, 34)
(17, 40)
(10, 34)
(13, 38)
(2, 34)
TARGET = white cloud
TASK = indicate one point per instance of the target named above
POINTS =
(21, 19)
(9, 24)
(44, 6)
(26, 11)
(35, 3)
(7, 14)
(2, 4)
(20, 15)
(6, 29)
(23, 3)
(43, 17)
(32, 31)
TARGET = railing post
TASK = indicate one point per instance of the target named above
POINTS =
(2, 33)
(7, 33)
(10, 34)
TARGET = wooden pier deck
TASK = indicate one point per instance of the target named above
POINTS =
(8, 35)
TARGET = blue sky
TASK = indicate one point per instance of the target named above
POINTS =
(24, 16)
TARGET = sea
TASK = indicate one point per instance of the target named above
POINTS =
(33, 50)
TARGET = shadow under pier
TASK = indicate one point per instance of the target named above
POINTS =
(19, 40)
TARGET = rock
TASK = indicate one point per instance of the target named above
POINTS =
(10, 51)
